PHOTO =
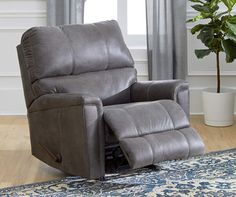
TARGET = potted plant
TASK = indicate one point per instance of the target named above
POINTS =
(217, 31)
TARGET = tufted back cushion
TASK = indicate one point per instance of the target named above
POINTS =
(74, 49)
(88, 59)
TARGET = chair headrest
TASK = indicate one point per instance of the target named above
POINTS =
(74, 49)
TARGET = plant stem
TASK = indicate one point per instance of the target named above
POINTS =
(218, 70)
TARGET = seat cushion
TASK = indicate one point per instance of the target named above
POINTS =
(137, 119)
(150, 132)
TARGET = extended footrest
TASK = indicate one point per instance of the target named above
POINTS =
(151, 132)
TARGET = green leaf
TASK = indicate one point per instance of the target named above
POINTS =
(231, 36)
(195, 19)
(214, 3)
(221, 14)
(201, 8)
(232, 27)
(229, 48)
(196, 28)
(214, 8)
(206, 35)
(200, 53)
(197, 1)
(231, 19)
(229, 4)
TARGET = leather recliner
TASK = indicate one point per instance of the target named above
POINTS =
(76, 80)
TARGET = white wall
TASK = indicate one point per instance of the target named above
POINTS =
(18, 15)
(15, 17)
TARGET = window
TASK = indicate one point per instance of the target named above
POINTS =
(129, 13)
(136, 17)
(100, 10)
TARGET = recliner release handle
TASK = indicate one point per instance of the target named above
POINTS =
(57, 158)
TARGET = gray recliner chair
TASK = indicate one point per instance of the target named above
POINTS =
(84, 102)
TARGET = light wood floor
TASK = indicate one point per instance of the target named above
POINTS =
(17, 166)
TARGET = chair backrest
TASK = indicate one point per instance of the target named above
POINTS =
(87, 59)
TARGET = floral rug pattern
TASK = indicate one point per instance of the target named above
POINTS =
(210, 175)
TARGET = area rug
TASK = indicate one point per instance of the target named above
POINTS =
(210, 175)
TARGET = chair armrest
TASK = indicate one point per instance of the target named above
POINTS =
(66, 132)
(63, 100)
(177, 90)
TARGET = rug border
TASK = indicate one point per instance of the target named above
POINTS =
(82, 179)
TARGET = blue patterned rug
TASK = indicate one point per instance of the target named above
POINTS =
(210, 175)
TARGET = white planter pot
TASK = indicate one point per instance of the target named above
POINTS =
(218, 107)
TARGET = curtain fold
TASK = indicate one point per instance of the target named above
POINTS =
(166, 39)
(64, 12)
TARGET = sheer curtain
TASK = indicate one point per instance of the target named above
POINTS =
(166, 39)
(60, 12)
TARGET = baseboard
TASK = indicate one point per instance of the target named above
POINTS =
(13, 103)
(13, 114)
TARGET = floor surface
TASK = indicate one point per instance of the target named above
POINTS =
(17, 166)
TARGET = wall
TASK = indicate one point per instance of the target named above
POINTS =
(16, 17)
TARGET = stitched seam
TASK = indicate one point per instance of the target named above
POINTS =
(133, 82)
(28, 83)
(168, 114)
(177, 90)
(98, 135)
(73, 52)
(71, 106)
(28, 68)
(107, 51)
(84, 138)
(77, 75)
(60, 131)
(148, 91)
(99, 128)
(125, 110)
(151, 149)
(186, 139)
